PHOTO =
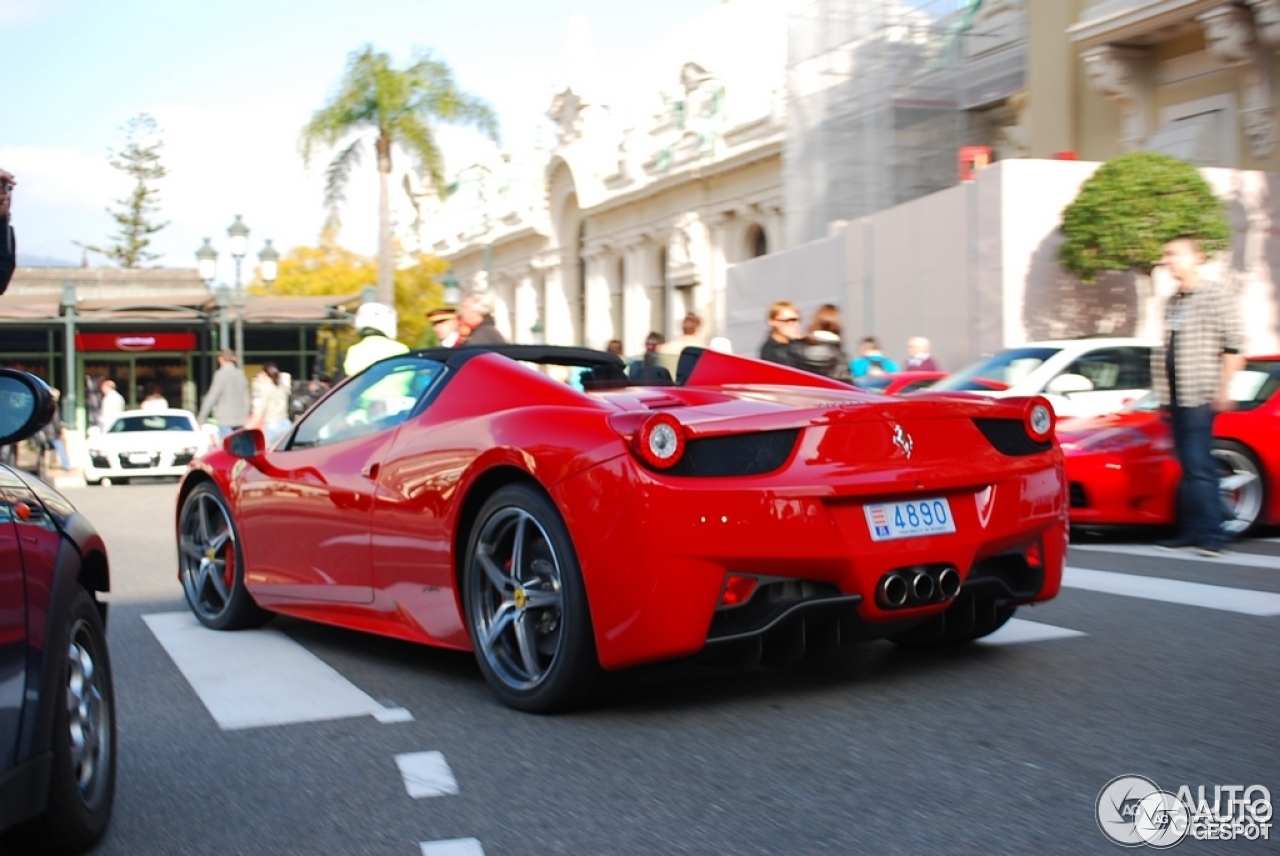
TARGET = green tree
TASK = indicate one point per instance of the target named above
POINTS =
(375, 100)
(1129, 209)
(140, 160)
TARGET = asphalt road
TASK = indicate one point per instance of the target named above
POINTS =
(989, 749)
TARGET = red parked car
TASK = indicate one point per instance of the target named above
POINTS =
(748, 512)
(1122, 467)
(900, 382)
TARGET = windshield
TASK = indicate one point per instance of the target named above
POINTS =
(1252, 386)
(996, 372)
(151, 423)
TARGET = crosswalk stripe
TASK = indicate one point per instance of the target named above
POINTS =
(1243, 601)
(426, 774)
(1248, 560)
(252, 678)
(1016, 631)
(452, 847)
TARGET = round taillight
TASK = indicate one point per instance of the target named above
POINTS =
(660, 441)
(1039, 420)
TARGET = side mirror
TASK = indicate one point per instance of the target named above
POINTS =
(247, 443)
(26, 405)
(1065, 384)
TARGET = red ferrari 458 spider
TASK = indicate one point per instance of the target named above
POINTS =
(1123, 471)
(465, 498)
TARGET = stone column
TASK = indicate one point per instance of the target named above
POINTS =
(723, 227)
(1230, 38)
(1123, 75)
(557, 307)
(599, 320)
(526, 307)
(635, 296)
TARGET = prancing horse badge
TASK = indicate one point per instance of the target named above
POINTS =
(902, 440)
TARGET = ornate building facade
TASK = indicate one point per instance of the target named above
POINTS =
(630, 220)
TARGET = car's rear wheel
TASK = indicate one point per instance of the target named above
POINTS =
(526, 605)
(1240, 484)
(82, 778)
(210, 563)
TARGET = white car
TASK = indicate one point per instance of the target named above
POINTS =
(144, 443)
(1080, 377)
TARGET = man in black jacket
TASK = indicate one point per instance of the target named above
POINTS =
(8, 243)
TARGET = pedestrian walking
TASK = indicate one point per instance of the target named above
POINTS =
(820, 351)
(871, 361)
(688, 338)
(269, 410)
(476, 313)
(1192, 370)
(444, 322)
(919, 358)
(784, 326)
(8, 241)
(228, 396)
(112, 404)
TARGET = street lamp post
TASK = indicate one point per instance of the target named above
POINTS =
(69, 369)
(238, 232)
(269, 260)
(452, 290)
(207, 266)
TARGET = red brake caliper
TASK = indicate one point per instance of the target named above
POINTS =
(229, 568)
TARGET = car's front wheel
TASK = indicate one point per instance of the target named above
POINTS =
(210, 563)
(82, 778)
(526, 605)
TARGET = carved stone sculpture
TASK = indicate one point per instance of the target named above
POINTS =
(1122, 74)
(1230, 37)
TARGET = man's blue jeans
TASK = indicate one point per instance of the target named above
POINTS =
(1201, 507)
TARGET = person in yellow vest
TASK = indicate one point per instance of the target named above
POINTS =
(376, 324)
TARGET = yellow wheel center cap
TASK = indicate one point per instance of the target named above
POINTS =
(520, 598)
(211, 555)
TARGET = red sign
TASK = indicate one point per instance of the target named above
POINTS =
(972, 160)
(135, 341)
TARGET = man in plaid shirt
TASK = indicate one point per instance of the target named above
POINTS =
(1204, 337)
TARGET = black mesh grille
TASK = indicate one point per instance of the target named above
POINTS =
(1079, 499)
(736, 454)
(1010, 437)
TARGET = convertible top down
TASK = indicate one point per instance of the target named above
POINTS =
(747, 511)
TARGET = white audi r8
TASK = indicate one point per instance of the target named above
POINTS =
(144, 443)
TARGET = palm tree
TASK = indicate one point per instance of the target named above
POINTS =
(399, 107)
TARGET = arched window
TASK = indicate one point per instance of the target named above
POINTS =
(757, 241)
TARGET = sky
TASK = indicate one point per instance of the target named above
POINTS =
(232, 83)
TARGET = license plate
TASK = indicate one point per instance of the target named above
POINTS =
(139, 458)
(889, 520)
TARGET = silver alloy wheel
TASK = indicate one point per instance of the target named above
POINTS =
(518, 611)
(206, 554)
(1240, 485)
(88, 714)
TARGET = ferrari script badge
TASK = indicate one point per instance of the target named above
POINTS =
(903, 440)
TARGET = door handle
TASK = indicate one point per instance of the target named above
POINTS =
(370, 471)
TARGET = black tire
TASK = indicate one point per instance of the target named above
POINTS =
(530, 624)
(211, 564)
(1242, 507)
(82, 780)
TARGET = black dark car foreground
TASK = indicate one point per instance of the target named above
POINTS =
(57, 707)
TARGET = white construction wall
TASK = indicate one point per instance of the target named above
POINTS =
(974, 268)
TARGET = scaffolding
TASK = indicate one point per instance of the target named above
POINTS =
(875, 108)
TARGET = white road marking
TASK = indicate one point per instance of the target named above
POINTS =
(452, 847)
(252, 678)
(1248, 560)
(1243, 601)
(1016, 631)
(426, 774)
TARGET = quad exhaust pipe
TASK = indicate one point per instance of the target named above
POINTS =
(918, 586)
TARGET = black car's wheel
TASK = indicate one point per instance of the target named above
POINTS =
(526, 607)
(82, 779)
(210, 564)
(1240, 484)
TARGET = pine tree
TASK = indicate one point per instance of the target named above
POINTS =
(140, 160)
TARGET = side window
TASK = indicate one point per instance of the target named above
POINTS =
(1103, 368)
(380, 398)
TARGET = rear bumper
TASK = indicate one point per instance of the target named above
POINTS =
(655, 551)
